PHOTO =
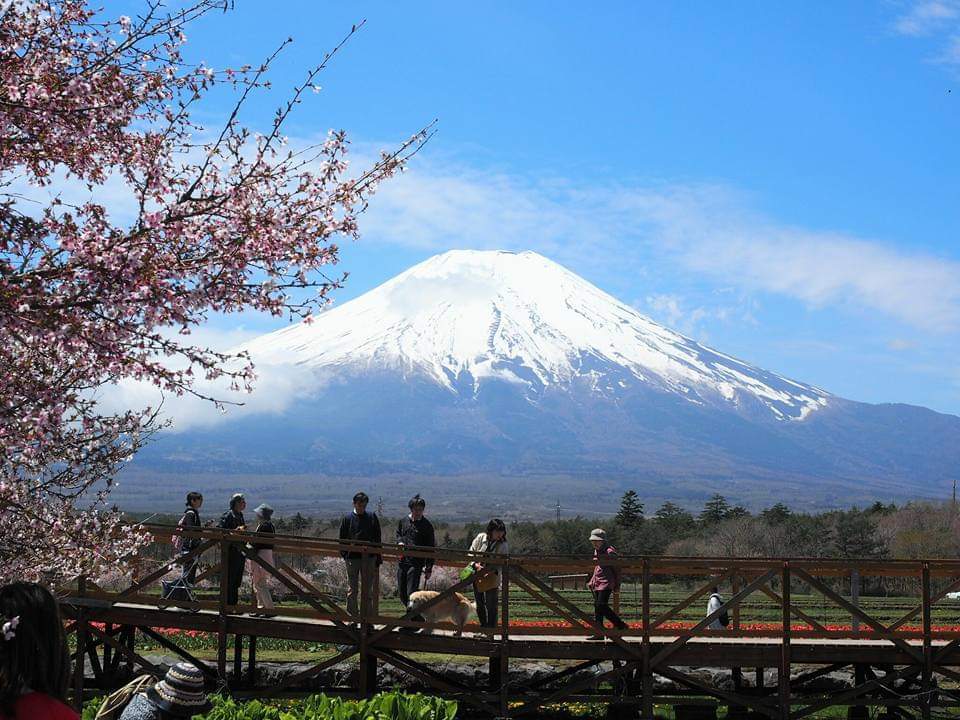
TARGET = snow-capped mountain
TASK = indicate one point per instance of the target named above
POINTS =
(492, 379)
(467, 316)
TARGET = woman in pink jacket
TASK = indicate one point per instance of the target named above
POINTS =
(603, 582)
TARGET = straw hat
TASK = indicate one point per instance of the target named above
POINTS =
(180, 692)
(598, 534)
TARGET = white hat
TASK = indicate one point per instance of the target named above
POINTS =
(598, 534)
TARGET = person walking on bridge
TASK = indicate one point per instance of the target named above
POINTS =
(486, 588)
(191, 520)
(364, 526)
(259, 577)
(232, 519)
(414, 532)
(604, 581)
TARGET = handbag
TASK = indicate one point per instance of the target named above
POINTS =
(487, 579)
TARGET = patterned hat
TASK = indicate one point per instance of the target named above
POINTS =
(180, 693)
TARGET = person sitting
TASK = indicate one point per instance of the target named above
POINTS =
(34, 661)
(179, 695)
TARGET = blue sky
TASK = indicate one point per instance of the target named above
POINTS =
(780, 181)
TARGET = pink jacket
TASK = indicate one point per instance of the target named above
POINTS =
(604, 576)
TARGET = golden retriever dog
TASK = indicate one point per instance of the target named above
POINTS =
(453, 608)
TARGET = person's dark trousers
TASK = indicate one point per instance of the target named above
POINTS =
(487, 607)
(234, 575)
(408, 580)
(602, 609)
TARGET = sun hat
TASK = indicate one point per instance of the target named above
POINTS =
(180, 692)
(263, 510)
(598, 534)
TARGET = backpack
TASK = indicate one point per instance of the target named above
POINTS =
(177, 539)
(114, 704)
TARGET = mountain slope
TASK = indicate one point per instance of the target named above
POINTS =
(478, 368)
(465, 316)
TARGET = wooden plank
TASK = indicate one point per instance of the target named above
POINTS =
(173, 647)
(783, 674)
(919, 608)
(222, 618)
(758, 704)
(797, 612)
(599, 628)
(575, 687)
(164, 569)
(646, 670)
(505, 641)
(854, 610)
(131, 655)
(683, 639)
(310, 672)
(844, 697)
(548, 603)
(927, 675)
(690, 599)
(306, 597)
(444, 594)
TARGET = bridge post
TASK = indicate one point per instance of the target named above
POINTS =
(927, 643)
(505, 641)
(733, 710)
(368, 586)
(783, 676)
(855, 598)
(646, 672)
(222, 618)
(80, 663)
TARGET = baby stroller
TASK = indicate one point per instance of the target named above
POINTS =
(180, 589)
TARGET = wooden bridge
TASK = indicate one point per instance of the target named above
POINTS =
(909, 665)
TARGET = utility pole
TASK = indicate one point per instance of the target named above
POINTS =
(558, 500)
(954, 494)
(380, 506)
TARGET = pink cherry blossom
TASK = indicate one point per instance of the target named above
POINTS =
(240, 222)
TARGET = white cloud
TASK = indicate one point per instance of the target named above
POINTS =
(276, 388)
(925, 17)
(936, 19)
(708, 229)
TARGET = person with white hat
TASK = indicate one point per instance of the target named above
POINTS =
(604, 581)
(179, 695)
(259, 577)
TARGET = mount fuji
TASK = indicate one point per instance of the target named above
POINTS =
(498, 377)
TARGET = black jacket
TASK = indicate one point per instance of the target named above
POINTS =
(416, 534)
(191, 519)
(231, 520)
(364, 527)
(264, 528)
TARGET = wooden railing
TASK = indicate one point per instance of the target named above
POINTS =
(662, 641)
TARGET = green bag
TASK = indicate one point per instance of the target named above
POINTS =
(468, 572)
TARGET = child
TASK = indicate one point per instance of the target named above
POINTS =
(34, 662)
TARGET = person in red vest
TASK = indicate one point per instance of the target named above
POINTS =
(34, 661)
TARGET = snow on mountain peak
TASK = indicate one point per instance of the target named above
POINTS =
(463, 317)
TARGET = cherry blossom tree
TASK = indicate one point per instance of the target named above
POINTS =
(224, 221)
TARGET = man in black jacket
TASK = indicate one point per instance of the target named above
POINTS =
(232, 519)
(414, 532)
(364, 526)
